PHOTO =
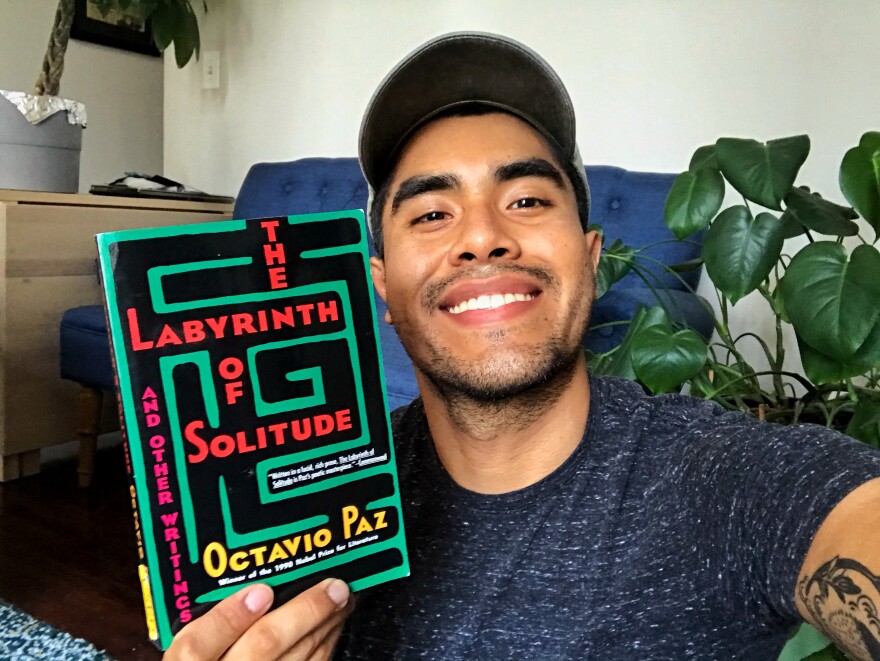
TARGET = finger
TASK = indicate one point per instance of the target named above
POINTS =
(326, 648)
(210, 635)
(312, 641)
(276, 633)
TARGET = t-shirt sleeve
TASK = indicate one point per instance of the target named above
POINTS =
(759, 492)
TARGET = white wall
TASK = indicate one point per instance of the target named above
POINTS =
(122, 91)
(651, 80)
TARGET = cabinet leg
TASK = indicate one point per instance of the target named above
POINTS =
(88, 407)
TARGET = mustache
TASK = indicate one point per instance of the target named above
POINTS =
(433, 291)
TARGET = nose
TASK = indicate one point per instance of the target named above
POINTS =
(484, 234)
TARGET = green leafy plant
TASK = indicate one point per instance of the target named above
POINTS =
(828, 291)
(172, 21)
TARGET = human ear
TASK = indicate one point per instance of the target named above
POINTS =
(377, 271)
(593, 243)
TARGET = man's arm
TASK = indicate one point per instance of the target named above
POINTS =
(838, 589)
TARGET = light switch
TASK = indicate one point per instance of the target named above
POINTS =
(210, 70)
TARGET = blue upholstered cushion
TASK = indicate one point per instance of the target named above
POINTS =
(85, 351)
(629, 206)
(309, 185)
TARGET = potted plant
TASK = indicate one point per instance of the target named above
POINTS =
(828, 290)
(41, 133)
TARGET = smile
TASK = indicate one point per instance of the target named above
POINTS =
(489, 302)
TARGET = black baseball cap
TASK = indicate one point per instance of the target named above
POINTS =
(464, 68)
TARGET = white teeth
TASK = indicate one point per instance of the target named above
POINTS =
(489, 302)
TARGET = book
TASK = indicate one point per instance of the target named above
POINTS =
(254, 412)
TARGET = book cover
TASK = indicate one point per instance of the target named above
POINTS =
(254, 409)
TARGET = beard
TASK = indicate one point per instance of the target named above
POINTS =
(507, 371)
(503, 374)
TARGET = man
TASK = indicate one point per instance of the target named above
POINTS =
(551, 514)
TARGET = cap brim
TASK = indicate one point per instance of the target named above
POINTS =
(456, 69)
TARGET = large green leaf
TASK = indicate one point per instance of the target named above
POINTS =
(833, 302)
(830, 653)
(145, 8)
(700, 385)
(791, 226)
(163, 21)
(186, 37)
(865, 423)
(704, 157)
(740, 250)
(618, 361)
(762, 172)
(616, 262)
(860, 178)
(693, 200)
(822, 216)
(664, 360)
(174, 21)
(821, 368)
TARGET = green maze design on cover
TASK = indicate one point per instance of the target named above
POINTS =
(254, 409)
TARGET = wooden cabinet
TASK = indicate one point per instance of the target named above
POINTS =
(47, 265)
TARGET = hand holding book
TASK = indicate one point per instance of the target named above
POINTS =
(306, 627)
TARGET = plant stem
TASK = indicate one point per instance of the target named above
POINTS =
(794, 375)
(724, 315)
(49, 80)
(665, 241)
(760, 341)
(622, 322)
(777, 361)
(780, 355)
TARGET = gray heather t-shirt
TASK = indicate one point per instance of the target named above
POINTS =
(674, 531)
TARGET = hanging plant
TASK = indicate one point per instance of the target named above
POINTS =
(172, 22)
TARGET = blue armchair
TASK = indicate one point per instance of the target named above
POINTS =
(628, 205)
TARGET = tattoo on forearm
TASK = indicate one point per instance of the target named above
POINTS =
(843, 597)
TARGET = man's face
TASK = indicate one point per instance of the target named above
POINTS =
(488, 275)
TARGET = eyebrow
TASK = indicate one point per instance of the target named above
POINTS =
(532, 167)
(421, 184)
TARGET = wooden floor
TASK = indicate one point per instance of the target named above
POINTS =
(67, 555)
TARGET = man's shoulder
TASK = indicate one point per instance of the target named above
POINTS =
(620, 397)
(680, 427)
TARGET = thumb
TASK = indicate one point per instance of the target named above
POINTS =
(209, 636)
